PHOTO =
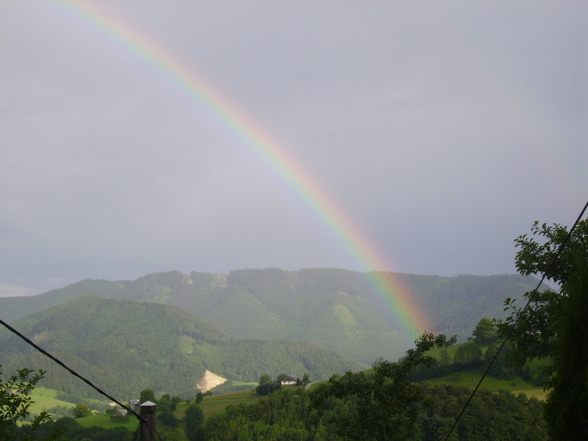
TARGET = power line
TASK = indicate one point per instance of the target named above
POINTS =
(71, 371)
(142, 420)
(519, 315)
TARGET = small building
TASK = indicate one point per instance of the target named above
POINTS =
(289, 381)
(134, 404)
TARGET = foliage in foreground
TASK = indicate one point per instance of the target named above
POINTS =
(15, 401)
(555, 324)
(75, 432)
(382, 405)
(288, 415)
(385, 403)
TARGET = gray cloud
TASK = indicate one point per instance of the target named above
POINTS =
(442, 129)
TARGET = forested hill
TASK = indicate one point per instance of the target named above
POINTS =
(336, 308)
(127, 346)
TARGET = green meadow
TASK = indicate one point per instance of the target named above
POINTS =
(44, 399)
(104, 421)
(470, 378)
(217, 404)
(210, 406)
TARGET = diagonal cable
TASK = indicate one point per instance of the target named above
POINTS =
(559, 251)
(71, 371)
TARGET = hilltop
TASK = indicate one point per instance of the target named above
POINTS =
(126, 346)
(338, 309)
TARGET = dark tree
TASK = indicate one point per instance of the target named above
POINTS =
(468, 353)
(168, 419)
(485, 332)
(147, 395)
(555, 325)
(194, 423)
(264, 379)
(267, 388)
(82, 410)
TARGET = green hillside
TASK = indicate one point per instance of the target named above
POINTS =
(502, 376)
(338, 309)
(470, 377)
(210, 406)
(44, 399)
(457, 384)
(126, 346)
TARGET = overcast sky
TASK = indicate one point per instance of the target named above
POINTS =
(442, 130)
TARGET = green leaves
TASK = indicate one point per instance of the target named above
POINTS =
(384, 404)
(14, 395)
(555, 323)
(15, 402)
(81, 410)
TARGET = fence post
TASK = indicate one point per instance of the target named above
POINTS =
(148, 412)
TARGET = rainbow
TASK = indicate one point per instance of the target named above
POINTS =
(408, 314)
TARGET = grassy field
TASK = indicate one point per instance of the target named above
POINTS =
(104, 421)
(540, 394)
(210, 406)
(470, 378)
(436, 352)
(253, 385)
(44, 399)
(44, 392)
(216, 404)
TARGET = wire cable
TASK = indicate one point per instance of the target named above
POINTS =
(71, 371)
(137, 431)
(142, 420)
(553, 261)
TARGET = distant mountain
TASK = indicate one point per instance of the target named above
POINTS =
(336, 308)
(126, 346)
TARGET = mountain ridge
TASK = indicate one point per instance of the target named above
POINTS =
(336, 308)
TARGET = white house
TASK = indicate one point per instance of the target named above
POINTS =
(289, 381)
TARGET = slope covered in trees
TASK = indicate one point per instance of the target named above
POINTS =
(383, 404)
(125, 346)
(338, 309)
(286, 414)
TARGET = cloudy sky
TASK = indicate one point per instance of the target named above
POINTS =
(139, 137)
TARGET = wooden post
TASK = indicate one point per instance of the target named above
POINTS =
(148, 412)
